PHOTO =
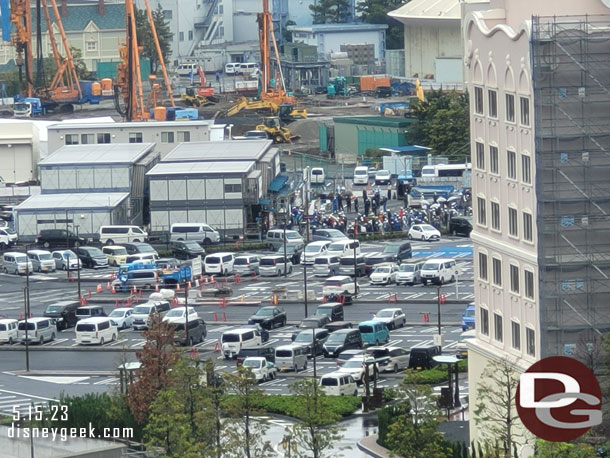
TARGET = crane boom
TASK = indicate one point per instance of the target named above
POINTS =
(159, 53)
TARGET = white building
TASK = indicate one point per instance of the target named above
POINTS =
(19, 151)
(539, 180)
(329, 37)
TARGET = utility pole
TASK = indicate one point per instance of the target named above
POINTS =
(438, 304)
(305, 282)
(306, 196)
(186, 310)
(26, 300)
(77, 266)
(355, 271)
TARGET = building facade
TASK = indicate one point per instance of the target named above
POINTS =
(19, 151)
(540, 199)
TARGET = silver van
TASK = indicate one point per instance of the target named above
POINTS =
(274, 266)
(140, 278)
(409, 273)
(275, 239)
(291, 357)
(219, 263)
(16, 263)
(42, 261)
(346, 265)
(246, 265)
(40, 330)
(234, 340)
(326, 266)
(199, 232)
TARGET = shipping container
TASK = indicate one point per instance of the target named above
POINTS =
(370, 82)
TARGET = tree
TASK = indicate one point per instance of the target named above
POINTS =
(376, 12)
(317, 429)
(330, 11)
(157, 357)
(496, 410)
(287, 34)
(442, 123)
(147, 41)
(215, 390)
(546, 449)
(79, 64)
(414, 432)
(244, 434)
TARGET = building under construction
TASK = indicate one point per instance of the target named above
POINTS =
(571, 85)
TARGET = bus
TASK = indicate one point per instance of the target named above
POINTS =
(445, 170)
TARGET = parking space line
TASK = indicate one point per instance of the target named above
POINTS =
(116, 342)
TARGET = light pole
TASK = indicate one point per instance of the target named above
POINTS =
(305, 281)
(438, 305)
(68, 244)
(76, 226)
(306, 192)
(355, 271)
(282, 211)
(26, 300)
(186, 311)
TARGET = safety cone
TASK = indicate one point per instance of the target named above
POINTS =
(116, 303)
(99, 288)
(108, 285)
(70, 276)
(188, 285)
(140, 293)
(206, 280)
(134, 290)
(214, 317)
(217, 347)
(177, 286)
(113, 291)
(156, 287)
(242, 298)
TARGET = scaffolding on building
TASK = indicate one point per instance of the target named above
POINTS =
(571, 77)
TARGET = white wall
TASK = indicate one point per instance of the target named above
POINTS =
(425, 42)
(19, 152)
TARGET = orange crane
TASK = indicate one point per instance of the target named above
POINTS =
(271, 97)
(129, 80)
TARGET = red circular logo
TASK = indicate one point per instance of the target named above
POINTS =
(559, 399)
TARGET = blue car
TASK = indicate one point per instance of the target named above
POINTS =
(374, 332)
(468, 318)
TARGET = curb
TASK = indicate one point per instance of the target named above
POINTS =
(369, 451)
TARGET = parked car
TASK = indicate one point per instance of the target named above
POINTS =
(423, 357)
(337, 325)
(66, 260)
(219, 263)
(468, 318)
(274, 265)
(384, 274)
(264, 333)
(16, 263)
(40, 330)
(143, 313)
(197, 331)
(424, 232)
(293, 253)
(382, 92)
(340, 340)
(198, 232)
(392, 317)
(383, 177)
(461, 349)
(8, 237)
(313, 250)
(340, 284)
(374, 332)
(349, 354)
(439, 271)
(326, 266)
(313, 322)
(275, 239)
(179, 314)
(346, 265)
(91, 257)
(334, 310)
(139, 248)
(122, 317)
(8, 331)
(328, 235)
(409, 273)
(269, 317)
(186, 249)
(117, 255)
(58, 238)
(336, 384)
(390, 359)
(110, 235)
(42, 261)
(246, 265)
(306, 337)
(97, 330)
(358, 366)
(267, 352)
(397, 252)
(89, 311)
(64, 313)
(461, 225)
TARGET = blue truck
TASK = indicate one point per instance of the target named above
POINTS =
(174, 272)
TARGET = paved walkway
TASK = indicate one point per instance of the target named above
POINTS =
(369, 445)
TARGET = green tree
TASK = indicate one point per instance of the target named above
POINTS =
(414, 432)
(157, 357)
(244, 434)
(442, 123)
(215, 390)
(287, 34)
(318, 427)
(330, 11)
(147, 41)
(546, 449)
(495, 412)
(376, 12)
(79, 64)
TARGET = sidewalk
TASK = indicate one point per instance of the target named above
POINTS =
(369, 445)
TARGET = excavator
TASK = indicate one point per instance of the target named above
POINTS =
(199, 96)
(279, 134)
(272, 97)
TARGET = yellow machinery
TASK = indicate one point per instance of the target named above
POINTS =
(271, 96)
(194, 99)
(275, 131)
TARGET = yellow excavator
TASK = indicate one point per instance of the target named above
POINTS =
(275, 130)
(194, 99)
(286, 111)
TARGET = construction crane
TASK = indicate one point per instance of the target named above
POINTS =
(271, 96)
(21, 18)
(129, 79)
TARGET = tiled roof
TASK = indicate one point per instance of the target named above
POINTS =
(80, 15)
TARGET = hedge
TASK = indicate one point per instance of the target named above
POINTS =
(284, 405)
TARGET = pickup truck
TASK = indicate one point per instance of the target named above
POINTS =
(262, 369)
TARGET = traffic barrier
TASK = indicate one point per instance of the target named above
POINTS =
(116, 303)
(140, 293)
(83, 300)
(224, 317)
(236, 279)
(426, 317)
(324, 299)
(393, 299)
(99, 288)
(70, 276)
(217, 347)
(214, 317)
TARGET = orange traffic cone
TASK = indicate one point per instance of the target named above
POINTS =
(177, 286)
(217, 347)
(156, 287)
(99, 288)
(108, 285)
(113, 291)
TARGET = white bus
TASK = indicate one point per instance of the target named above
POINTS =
(445, 170)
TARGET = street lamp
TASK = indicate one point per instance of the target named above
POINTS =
(282, 212)
(305, 280)
(76, 226)
(186, 311)
(26, 303)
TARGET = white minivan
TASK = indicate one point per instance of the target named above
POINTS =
(199, 232)
(361, 175)
(8, 330)
(248, 68)
(42, 261)
(219, 263)
(232, 68)
(317, 175)
(340, 284)
(234, 340)
(342, 248)
(338, 384)
(96, 330)
(112, 235)
(40, 330)
(291, 357)
(16, 263)
(439, 271)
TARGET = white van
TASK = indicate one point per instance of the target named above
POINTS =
(16, 263)
(326, 266)
(42, 261)
(361, 175)
(313, 250)
(112, 235)
(439, 271)
(236, 339)
(317, 175)
(186, 69)
(248, 68)
(219, 263)
(96, 330)
(199, 232)
(275, 239)
(144, 258)
(338, 384)
(291, 357)
(342, 248)
(40, 330)
(232, 68)
(8, 330)
(339, 284)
